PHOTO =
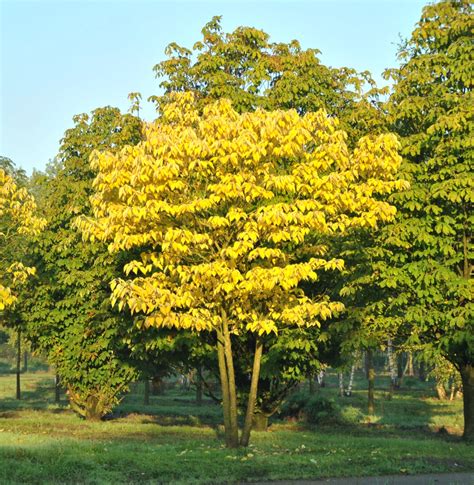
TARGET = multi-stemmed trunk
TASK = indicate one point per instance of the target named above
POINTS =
(467, 376)
(229, 390)
(249, 416)
(227, 377)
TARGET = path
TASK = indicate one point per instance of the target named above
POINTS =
(431, 479)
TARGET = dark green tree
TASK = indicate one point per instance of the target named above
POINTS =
(417, 285)
(245, 67)
(431, 108)
(66, 309)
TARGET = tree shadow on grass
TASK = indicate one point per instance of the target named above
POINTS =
(5, 368)
(405, 411)
(39, 396)
(402, 415)
(169, 411)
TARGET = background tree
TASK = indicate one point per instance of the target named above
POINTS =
(17, 219)
(422, 267)
(228, 210)
(17, 173)
(67, 311)
(245, 67)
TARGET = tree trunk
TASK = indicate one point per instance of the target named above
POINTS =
(341, 384)
(312, 386)
(441, 391)
(92, 412)
(227, 378)
(199, 387)
(467, 376)
(371, 379)
(18, 365)
(400, 369)
(453, 390)
(229, 360)
(321, 377)
(224, 385)
(146, 392)
(157, 386)
(249, 416)
(366, 364)
(422, 372)
(57, 389)
(409, 370)
(391, 366)
(351, 381)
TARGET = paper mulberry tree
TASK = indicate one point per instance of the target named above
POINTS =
(227, 212)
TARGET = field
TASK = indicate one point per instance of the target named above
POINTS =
(175, 440)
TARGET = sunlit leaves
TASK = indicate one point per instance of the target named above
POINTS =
(18, 216)
(222, 201)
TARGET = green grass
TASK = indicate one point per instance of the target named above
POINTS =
(174, 440)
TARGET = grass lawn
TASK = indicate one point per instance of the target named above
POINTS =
(173, 440)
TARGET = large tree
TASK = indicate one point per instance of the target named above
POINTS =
(246, 67)
(228, 212)
(66, 310)
(431, 108)
(421, 268)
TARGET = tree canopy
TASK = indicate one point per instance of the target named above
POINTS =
(418, 274)
(431, 252)
(250, 70)
(224, 205)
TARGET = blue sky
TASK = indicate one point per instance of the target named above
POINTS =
(60, 58)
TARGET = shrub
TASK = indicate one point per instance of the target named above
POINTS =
(410, 382)
(321, 410)
(352, 415)
(294, 405)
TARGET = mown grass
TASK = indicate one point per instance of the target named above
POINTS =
(177, 441)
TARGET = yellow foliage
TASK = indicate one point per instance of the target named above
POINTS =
(17, 211)
(226, 203)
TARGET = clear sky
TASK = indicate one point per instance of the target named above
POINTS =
(63, 57)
